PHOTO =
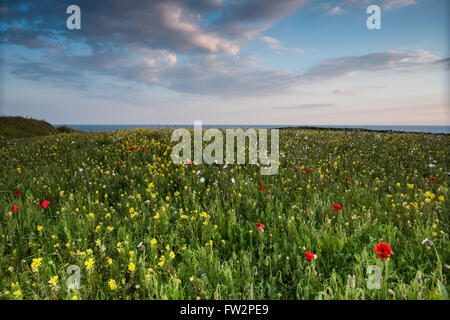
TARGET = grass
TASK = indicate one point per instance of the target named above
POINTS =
(19, 127)
(139, 227)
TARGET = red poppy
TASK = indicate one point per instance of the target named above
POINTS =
(190, 163)
(45, 204)
(262, 187)
(120, 161)
(347, 178)
(131, 148)
(337, 207)
(383, 250)
(269, 192)
(144, 148)
(308, 171)
(17, 193)
(432, 179)
(15, 208)
(310, 256)
(306, 210)
(260, 226)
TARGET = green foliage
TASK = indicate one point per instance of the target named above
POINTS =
(199, 240)
(19, 127)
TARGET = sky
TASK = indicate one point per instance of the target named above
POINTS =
(285, 62)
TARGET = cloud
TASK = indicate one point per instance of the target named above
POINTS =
(397, 61)
(307, 106)
(274, 44)
(342, 6)
(342, 91)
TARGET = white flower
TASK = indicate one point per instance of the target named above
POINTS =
(426, 241)
(198, 172)
(202, 180)
(232, 180)
(139, 245)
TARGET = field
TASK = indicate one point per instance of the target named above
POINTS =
(113, 207)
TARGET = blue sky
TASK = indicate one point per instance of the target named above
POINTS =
(293, 62)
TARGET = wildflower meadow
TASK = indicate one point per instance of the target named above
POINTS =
(349, 215)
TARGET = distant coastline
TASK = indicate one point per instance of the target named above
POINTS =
(397, 128)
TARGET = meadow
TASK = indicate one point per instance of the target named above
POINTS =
(137, 226)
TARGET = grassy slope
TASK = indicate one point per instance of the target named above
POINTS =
(19, 127)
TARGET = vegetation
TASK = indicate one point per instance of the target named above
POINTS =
(139, 227)
(19, 127)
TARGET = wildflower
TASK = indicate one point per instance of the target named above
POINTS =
(53, 281)
(262, 187)
(260, 226)
(131, 148)
(39, 228)
(112, 284)
(426, 241)
(44, 204)
(35, 264)
(383, 250)
(89, 264)
(153, 242)
(308, 171)
(347, 179)
(202, 180)
(17, 193)
(14, 208)
(131, 267)
(310, 256)
(74, 298)
(172, 255)
(432, 179)
(120, 161)
(337, 207)
(144, 148)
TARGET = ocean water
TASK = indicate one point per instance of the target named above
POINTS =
(114, 127)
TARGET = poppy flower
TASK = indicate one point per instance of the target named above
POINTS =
(432, 179)
(120, 161)
(306, 210)
(144, 148)
(45, 204)
(347, 179)
(310, 256)
(308, 171)
(15, 208)
(337, 207)
(383, 250)
(269, 192)
(190, 163)
(17, 193)
(260, 226)
(131, 148)
(262, 187)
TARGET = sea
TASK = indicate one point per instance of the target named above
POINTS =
(115, 127)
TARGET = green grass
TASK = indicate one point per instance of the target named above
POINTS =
(207, 245)
(19, 127)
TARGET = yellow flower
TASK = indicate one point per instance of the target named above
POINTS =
(110, 261)
(74, 298)
(131, 267)
(39, 228)
(172, 255)
(153, 242)
(89, 264)
(53, 281)
(17, 293)
(112, 284)
(36, 264)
